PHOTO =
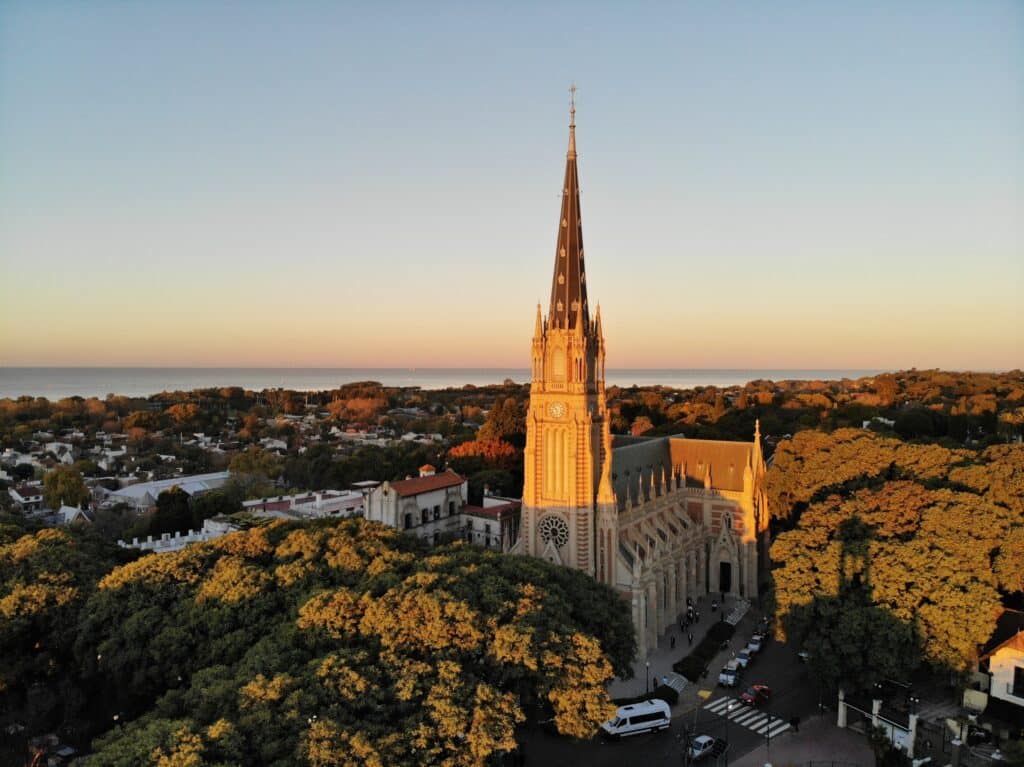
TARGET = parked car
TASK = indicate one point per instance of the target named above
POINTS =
(756, 693)
(704, 746)
(730, 674)
(977, 735)
(743, 658)
(804, 656)
(755, 644)
(646, 716)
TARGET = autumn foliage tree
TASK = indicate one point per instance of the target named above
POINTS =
(897, 552)
(340, 642)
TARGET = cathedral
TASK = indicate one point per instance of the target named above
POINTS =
(658, 519)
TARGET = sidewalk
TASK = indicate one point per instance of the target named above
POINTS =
(818, 740)
(662, 658)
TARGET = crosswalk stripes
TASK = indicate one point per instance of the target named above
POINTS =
(747, 716)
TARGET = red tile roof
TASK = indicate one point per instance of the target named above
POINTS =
(417, 485)
(492, 512)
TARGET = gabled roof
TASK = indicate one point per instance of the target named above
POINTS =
(1009, 632)
(417, 485)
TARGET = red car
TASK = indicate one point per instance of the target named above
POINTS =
(756, 693)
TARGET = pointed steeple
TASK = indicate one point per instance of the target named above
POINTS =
(568, 285)
(538, 325)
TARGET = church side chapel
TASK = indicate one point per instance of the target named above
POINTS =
(659, 519)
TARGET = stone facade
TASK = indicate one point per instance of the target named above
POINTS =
(658, 519)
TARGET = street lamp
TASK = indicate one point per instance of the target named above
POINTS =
(728, 712)
(913, 704)
(647, 678)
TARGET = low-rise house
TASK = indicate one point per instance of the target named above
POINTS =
(64, 452)
(69, 515)
(427, 506)
(493, 527)
(1002, 658)
(27, 497)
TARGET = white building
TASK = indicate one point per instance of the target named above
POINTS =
(427, 506)
(1003, 660)
(142, 496)
(318, 505)
(27, 497)
(493, 525)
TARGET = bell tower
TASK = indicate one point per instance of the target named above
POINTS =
(569, 512)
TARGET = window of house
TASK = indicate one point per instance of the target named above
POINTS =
(487, 542)
(469, 536)
(425, 515)
(1017, 688)
(487, 527)
(451, 508)
(437, 538)
(437, 512)
(408, 520)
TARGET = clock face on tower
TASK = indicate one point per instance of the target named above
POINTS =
(556, 409)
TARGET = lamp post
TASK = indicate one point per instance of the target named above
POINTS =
(728, 712)
(647, 677)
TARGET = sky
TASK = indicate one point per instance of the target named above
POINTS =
(763, 185)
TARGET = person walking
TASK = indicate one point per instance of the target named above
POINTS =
(672, 642)
(689, 636)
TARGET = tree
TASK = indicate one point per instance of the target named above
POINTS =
(23, 471)
(505, 421)
(339, 642)
(64, 487)
(173, 512)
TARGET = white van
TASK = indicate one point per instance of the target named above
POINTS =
(647, 716)
(731, 674)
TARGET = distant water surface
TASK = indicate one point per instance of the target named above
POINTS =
(55, 383)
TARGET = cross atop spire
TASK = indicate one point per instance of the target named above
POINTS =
(572, 120)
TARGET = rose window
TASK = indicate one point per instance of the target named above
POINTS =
(554, 530)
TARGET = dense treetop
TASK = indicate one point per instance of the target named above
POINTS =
(898, 553)
(329, 643)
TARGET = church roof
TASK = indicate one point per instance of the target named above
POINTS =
(726, 460)
(568, 283)
(636, 460)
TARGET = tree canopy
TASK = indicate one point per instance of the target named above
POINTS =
(920, 539)
(330, 643)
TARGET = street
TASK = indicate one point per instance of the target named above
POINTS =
(793, 694)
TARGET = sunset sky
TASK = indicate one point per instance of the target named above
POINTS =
(785, 185)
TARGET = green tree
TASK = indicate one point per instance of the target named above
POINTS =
(173, 512)
(64, 487)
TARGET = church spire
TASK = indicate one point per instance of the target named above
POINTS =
(568, 286)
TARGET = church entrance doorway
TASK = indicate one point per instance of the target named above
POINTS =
(725, 577)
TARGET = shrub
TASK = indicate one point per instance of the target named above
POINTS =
(721, 632)
(661, 692)
(692, 667)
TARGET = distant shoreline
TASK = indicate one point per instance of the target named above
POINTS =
(56, 383)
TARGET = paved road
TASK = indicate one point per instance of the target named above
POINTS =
(794, 694)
